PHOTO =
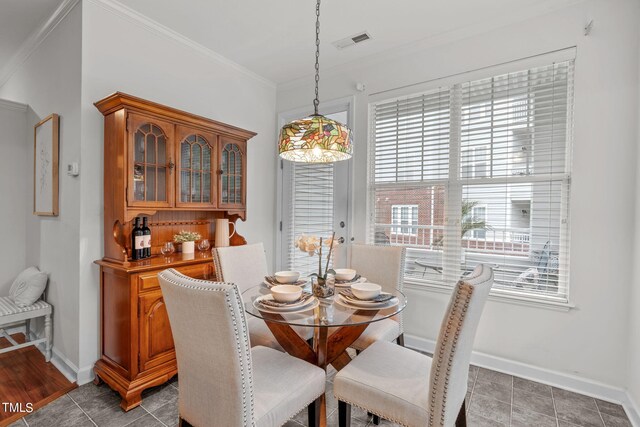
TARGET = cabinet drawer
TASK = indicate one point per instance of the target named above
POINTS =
(149, 281)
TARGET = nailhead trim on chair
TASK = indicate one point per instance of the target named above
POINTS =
(217, 265)
(247, 414)
(374, 412)
(458, 314)
(238, 343)
(298, 410)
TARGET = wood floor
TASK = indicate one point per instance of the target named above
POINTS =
(27, 378)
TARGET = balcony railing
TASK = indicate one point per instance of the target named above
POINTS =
(494, 240)
(508, 250)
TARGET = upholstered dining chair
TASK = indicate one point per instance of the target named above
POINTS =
(383, 265)
(409, 388)
(246, 266)
(223, 381)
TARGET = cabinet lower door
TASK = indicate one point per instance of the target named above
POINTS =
(156, 341)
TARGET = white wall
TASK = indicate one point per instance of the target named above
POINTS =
(15, 192)
(49, 82)
(634, 300)
(81, 61)
(589, 341)
(146, 63)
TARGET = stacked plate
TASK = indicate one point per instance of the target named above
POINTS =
(347, 283)
(267, 304)
(271, 281)
(382, 301)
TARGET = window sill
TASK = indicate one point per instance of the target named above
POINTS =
(495, 296)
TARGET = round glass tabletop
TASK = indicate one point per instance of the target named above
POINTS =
(326, 312)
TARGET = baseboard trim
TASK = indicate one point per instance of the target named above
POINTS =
(64, 365)
(546, 376)
(633, 411)
(85, 375)
(59, 360)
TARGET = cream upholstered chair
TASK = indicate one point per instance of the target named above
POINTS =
(246, 266)
(224, 382)
(383, 265)
(409, 388)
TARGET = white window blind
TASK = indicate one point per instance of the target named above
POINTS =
(487, 163)
(311, 212)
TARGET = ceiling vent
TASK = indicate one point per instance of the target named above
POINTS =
(352, 40)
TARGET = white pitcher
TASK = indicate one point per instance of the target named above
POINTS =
(222, 232)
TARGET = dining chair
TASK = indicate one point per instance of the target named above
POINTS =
(410, 388)
(246, 266)
(383, 265)
(223, 381)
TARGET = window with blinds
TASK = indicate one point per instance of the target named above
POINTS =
(311, 211)
(486, 163)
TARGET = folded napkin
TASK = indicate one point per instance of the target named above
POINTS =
(383, 297)
(305, 297)
(344, 282)
(273, 282)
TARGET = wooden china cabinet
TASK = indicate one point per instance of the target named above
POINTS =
(183, 172)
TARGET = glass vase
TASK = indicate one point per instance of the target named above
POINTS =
(322, 288)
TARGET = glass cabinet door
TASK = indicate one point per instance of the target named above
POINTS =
(232, 181)
(151, 164)
(196, 168)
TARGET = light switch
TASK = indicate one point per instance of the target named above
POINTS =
(73, 169)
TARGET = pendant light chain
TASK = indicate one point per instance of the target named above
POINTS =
(315, 138)
(316, 101)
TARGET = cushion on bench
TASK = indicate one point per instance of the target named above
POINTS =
(28, 287)
(8, 307)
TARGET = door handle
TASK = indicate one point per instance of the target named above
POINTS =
(341, 240)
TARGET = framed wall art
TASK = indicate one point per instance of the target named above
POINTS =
(45, 166)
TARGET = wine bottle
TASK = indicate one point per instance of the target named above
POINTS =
(146, 241)
(137, 250)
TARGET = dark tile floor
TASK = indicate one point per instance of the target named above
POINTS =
(493, 399)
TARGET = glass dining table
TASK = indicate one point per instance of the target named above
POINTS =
(336, 325)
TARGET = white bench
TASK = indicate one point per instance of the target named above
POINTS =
(10, 313)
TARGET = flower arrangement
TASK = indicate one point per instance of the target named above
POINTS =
(313, 246)
(186, 236)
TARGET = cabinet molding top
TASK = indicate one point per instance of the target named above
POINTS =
(120, 100)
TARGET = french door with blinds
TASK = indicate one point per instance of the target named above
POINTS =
(315, 201)
(478, 172)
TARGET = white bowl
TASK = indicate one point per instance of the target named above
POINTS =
(287, 276)
(345, 273)
(286, 293)
(366, 290)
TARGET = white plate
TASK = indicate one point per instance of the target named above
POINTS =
(348, 285)
(269, 297)
(364, 303)
(300, 282)
(293, 308)
(369, 306)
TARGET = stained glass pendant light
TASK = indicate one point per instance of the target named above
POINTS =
(315, 139)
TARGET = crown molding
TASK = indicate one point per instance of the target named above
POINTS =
(35, 39)
(149, 24)
(11, 105)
